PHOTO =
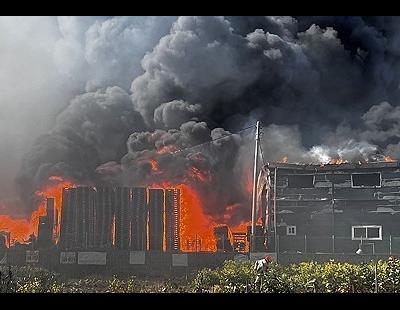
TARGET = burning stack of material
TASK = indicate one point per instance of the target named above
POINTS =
(139, 219)
(123, 218)
(46, 226)
(223, 236)
(156, 223)
(77, 218)
(104, 214)
(172, 219)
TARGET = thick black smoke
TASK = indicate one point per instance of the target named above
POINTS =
(322, 87)
(91, 131)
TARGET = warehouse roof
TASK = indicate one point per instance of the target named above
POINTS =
(330, 167)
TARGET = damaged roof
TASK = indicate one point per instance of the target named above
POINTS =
(330, 167)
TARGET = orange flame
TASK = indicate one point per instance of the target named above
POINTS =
(337, 161)
(167, 149)
(389, 159)
(154, 165)
(21, 229)
(284, 160)
(196, 229)
(242, 227)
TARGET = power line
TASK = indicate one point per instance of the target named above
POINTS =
(208, 142)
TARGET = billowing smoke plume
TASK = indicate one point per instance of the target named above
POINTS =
(163, 156)
(46, 62)
(102, 51)
(322, 87)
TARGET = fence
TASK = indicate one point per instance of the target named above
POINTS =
(333, 244)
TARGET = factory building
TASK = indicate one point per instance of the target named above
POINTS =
(333, 208)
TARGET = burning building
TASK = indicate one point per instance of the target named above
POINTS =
(224, 237)
(332, 208)
(46, 225)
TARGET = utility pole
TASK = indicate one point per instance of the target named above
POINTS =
(376, 275)
(254, 202)
(276, 249)
(333, 213)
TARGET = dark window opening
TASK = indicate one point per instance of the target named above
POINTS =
(359, 232)
(366, 179)
(368, 232)
(373, 232)
(301, 181)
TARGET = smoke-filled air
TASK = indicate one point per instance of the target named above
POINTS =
(171, 102)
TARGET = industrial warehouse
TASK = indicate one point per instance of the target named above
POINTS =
(333, 208)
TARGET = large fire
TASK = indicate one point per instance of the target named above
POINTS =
(196, 228)
(21, 229)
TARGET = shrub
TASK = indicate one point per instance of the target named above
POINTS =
(238, 277)
(306, 277)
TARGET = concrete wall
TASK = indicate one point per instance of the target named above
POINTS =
(161, 264)
(156, 263)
